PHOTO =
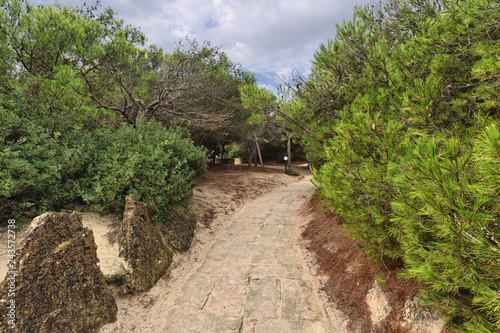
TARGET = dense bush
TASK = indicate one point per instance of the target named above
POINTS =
(447, 216)
(27, 158)
(43, 169)
(159, 166)
(403, 106)
(39, 168)
(79, 74)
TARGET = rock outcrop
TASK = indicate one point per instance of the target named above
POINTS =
(421, 319)
(377, 304)
(58, 286)
(179, 229)
(416, 317)
(142, 247)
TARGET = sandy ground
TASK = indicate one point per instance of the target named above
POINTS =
(331, 260)
(107, 251)
(217, 196)
(20, 232)
(227, 191)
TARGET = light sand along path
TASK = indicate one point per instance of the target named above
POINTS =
(253, 276)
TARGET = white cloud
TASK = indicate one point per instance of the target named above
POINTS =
(264, 36)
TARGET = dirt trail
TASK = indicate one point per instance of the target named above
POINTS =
(248, 272)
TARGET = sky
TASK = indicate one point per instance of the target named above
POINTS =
(266, 37)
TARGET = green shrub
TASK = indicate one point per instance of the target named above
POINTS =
(236, 152)
(158, 165)
(399, 111)
(43, 169)
(448, 216)
(35, 164)
(292, 172)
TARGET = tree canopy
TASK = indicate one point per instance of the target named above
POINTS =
(400, 117)
(83, 97)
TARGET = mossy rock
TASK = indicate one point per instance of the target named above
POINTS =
(178, 230)
(59, 286)
(141, 245)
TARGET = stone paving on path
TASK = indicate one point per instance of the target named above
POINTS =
(253, 277)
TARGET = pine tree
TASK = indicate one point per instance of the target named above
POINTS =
(404, 104)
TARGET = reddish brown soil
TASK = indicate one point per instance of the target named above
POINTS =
(351, 274)
(227, 187)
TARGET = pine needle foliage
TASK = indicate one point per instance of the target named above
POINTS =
(447, 216)
(406, 106)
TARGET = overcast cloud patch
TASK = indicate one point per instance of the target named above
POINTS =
(263, 36)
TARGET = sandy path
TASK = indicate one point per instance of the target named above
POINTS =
(247, 274)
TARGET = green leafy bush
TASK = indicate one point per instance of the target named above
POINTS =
(292, 173)
(43, 169)
(159, 166)
(38, 168)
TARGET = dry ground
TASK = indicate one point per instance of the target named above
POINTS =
(349, 274)
(345, 272)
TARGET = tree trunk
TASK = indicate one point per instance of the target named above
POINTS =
(258, 153)
(251, 153)
(289, 151)
(223, 151)
(141, 114)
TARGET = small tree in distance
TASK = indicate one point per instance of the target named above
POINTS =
(259, 101)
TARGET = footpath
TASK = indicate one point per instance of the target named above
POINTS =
(254, 277)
